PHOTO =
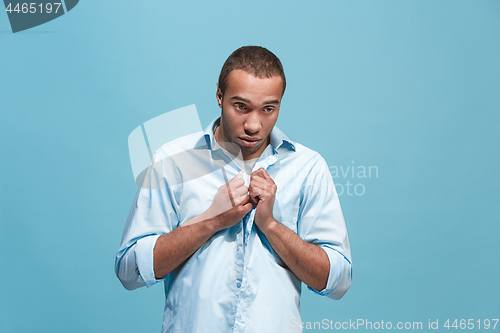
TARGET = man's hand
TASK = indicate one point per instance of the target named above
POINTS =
(229, 195)
(262, 191)
(230, 204)
(307, 261)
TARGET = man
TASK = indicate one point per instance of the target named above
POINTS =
(233, 253)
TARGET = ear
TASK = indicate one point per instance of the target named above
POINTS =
(218, 95)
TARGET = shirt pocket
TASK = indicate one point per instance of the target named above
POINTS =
(286, 214)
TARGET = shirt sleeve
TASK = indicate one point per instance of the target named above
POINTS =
(153, 214)
(321, 222)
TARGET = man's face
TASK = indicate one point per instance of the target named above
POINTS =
(250, 109)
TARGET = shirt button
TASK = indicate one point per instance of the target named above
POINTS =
(238, 285)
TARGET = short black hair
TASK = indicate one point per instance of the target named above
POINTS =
(255, 60)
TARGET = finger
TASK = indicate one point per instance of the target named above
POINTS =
(262, 189)
(259, 183)
(248, 207)
(262, 173)
(260, 193)
(266, 175)
(255, 200)
(236, 183)
(240, 191)
(264, 181)
(254, 196)
(238, 175)
(255, 178)
(256, 172)
(246, 203)
(236, 179)
(258, 179)
(255, 192)
(244, 199)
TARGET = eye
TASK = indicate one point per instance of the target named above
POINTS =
(239, 106)
(269, 110)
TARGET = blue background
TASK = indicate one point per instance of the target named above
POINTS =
(411, 87)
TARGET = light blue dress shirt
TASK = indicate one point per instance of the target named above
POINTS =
(235, 282)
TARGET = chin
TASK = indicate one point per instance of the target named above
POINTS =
(249, 151)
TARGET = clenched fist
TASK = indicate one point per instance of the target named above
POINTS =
(231, 202)
(262, 191)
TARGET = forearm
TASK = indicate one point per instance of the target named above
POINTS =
(307, 261)
(173, 248)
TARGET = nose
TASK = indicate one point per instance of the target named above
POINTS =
(252, 123)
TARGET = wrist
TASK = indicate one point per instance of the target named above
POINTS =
(209, 220)
(268, 226)
(217, 223)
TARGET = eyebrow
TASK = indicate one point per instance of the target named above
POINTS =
(238, 98)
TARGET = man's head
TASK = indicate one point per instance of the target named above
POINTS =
(251, 85)
(256, 60)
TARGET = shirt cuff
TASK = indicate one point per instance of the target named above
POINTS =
(144, 259)
(339, 277)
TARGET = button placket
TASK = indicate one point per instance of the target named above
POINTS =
(240, 267)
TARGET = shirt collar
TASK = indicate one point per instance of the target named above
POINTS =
(278, 138)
